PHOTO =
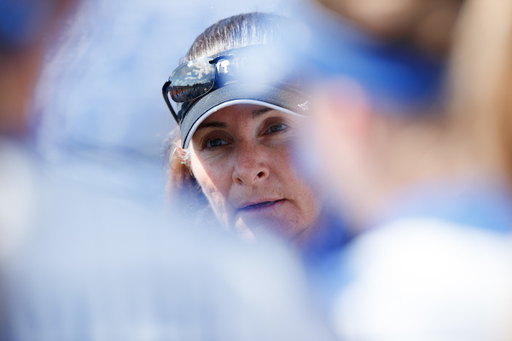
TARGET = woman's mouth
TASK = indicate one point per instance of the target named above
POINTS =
(260, 205)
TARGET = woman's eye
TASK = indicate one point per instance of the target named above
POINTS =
(274, 128)
(212, 143)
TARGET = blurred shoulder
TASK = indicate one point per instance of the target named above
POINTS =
(426, 278)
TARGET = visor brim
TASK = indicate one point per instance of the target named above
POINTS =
(282, 99)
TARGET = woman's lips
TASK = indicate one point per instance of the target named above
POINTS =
(260, 206)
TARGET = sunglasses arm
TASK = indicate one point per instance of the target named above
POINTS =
(166, 98)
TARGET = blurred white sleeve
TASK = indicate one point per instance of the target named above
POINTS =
(425, 279)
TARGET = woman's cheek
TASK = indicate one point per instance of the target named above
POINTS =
(213, 184)
(217, 202)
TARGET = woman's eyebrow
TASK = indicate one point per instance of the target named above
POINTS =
(259, 112)
(212, 125)
(255, 113)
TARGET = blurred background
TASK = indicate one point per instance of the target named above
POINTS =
(98, 111)
(99, 121)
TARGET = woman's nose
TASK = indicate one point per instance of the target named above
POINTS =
(251, 165)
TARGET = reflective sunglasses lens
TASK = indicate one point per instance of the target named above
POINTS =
(192, 80)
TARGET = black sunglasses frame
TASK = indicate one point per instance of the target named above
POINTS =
(225, 55)
(165, 91)
(234, 54)
(213, 60)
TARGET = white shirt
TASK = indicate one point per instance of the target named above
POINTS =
(426, 279)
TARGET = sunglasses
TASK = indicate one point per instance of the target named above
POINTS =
(198, 77)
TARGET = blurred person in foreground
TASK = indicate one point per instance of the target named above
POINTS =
(26, 29)
(79, 263)
(409, 147)
(238, 118)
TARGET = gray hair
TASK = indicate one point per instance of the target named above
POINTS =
(237, 31)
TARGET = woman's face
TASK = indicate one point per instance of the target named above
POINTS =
(241, 157)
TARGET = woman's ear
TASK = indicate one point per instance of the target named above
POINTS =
(181, 154)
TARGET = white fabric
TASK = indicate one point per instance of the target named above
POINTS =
(425, 279)
(17, 195)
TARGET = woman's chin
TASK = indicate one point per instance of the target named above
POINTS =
(244, 232)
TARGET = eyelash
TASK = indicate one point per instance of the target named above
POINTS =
(285, 127)
(205, 145)
(206, 142)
